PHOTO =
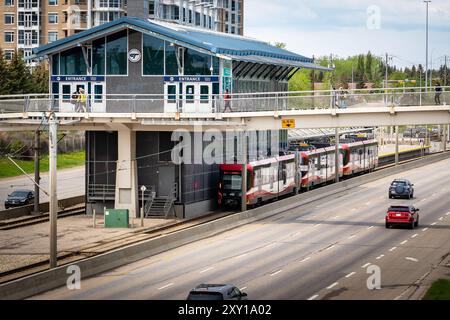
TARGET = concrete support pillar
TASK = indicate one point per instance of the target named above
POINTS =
(37, 177)
(126, 196)
(397, 154)
(444, 138)
(337, 155)
(244, 172)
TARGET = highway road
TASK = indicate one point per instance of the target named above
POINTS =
(70, 184)
(318, 251)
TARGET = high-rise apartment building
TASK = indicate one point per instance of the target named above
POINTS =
(27, 24)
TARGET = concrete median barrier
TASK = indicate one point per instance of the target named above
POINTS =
(47, 280)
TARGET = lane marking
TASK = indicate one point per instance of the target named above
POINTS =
(313, 297)
(434, 223)
(352, 236)
(415, 235)
(242, 255)
(206, 270)
(447, 214)
(166, 286)
(336, 217)
(350, 274)
(392, 249)
(317, 225)
(243, 288)
(275, 273)
(425, 229)
(366, 265)
(404, 242)
(412, 259)
(441, 218)
(306, 259)
(379, 257)
(371, 227)
(333, 285)
(329, 248)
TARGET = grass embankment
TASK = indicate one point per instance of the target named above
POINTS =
(440, 290)
(67, 160)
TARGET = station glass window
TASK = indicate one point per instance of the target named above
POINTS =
(171, 60)
(98, 57)
(72, 62)
(55, 64)
(116, 53)
(153, 55)
(196, 63)
(190, 98)
(204, 94)
(172, 93)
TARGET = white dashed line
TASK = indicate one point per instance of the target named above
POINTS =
(336, 217)
(352, 236)
(442, 218)
(425, 229)
(404, 242)
(379, 257)
(243, 288)
(242, 255)
(306, 259)
(313, 297)
(371, 227)
(206, 270)
(166, 286)
(329, 248)
(414, 235)
(392, 249)
(275, 273)
(434, 223)
(447, 214)
(316, 225)
(412, 259)
(333, 285)
(350, 274)
(366, 265)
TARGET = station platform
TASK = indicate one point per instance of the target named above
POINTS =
(28, 245)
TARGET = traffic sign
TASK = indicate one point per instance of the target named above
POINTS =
(288, 123)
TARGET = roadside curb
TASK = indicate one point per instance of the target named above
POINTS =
(50, 279)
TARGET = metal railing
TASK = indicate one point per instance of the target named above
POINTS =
(238, 102)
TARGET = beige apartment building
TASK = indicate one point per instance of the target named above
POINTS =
(27, 24)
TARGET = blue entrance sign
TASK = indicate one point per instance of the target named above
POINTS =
(78, 78)
(191, 79)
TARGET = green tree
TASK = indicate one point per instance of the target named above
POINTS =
(40, 79)
(301, 81)
(280, 45)
(19, 77)
(369, 66)
(3, 75)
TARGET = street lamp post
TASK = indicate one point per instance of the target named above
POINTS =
(143, 189)
(427, 2)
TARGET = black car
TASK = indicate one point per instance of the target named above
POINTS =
(19, 198)
(401, 188)
(216, 292)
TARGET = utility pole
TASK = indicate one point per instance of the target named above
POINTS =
(53, 140)
(445, 71)
(427, 2)
(37, 177)
(397, 154)
(337, 154)
(244, 172)
(386, 79)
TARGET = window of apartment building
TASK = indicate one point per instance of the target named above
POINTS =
(9, 36)
(8, 54)
(233, 5)
(52, 2)
(52, 36)
(190, 16)
(153, 55)
(184, 15)
(53, 18)
(28, 3)
(28, 37)
(9, 2)
(110, 3)
(151, 7)
(28, 19)
(198, 19)
(116, 54)
(9, 18)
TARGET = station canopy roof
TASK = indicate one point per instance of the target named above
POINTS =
(227, 46)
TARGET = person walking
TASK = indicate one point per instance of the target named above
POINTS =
(437, 97)
(227, 100)
(74, 100)
(82, 100)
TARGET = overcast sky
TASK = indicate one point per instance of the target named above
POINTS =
(348, 27)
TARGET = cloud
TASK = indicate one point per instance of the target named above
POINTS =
(321, 27)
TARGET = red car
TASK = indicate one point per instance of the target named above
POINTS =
(402, 215)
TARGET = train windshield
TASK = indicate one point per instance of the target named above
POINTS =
(232, 182)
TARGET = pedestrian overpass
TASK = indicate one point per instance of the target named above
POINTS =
(251, 111)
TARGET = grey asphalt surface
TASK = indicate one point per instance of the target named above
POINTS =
(70, 183)
(318, 251)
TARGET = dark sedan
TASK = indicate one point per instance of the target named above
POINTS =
(401, 188)
(19, 198)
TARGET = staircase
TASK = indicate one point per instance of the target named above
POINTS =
(161, 206)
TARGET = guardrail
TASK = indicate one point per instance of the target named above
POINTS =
(237, 102)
